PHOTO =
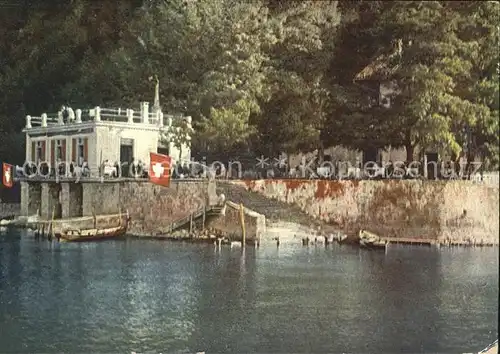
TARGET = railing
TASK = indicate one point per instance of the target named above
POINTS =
(98, 114)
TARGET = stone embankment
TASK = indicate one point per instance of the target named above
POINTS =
(209, 235)
(438, 211)
(278, 213)
(154, 210)
(9, 210)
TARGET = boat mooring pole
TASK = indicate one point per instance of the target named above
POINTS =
(204, 216)
(51, 233)
(243, 231)
(190, 224)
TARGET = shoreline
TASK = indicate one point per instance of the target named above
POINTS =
(279, 230)
(277, 233)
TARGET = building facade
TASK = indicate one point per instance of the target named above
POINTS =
(94, 137)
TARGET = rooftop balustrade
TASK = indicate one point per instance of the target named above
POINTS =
(97, 114)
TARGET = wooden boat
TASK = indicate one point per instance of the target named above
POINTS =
(366, 235)
(91, 234)
(378, 244)
(94, 234)
(370, 240)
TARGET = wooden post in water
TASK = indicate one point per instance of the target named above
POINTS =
(51, 232)
(204, 216)
(243, 231)
(95, 217)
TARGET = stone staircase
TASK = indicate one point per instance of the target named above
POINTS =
(195, 217)
(272, 209)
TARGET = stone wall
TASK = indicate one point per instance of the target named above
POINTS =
(31, 197)
(50, 201)
(153, 208)
(101, 198)
(9, 209)
(414, 209)
(230, 223)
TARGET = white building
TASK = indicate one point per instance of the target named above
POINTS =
(95, 136)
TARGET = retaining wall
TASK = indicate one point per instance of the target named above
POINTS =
(9, 209)
(230, 223)
(152, 208)
(458, 210)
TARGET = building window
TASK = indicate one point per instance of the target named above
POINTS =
(80, 152)
(39, 151)
(59, 150)
(385, 102)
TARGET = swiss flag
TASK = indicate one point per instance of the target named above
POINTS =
(7, 176)
(159, 169)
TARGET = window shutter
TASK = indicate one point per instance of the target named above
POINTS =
(44, 149)
(73, 151)
(86, 149)
(53, 153)
(63, 148)
(33, 152)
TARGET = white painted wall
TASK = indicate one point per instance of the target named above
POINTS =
(175, 153)
(108, 140)
(393, 154)
(104, 144)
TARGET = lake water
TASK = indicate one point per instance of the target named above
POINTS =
(154, 296)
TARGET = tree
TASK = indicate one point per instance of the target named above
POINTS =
(227, 127)
(42, 51)
(230, 94)
(481, 23)
(295, 116)
(178, 134)
(431, 62)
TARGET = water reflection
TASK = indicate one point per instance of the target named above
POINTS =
(137, 295)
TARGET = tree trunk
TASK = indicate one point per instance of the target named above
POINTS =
(409, 152)
(468, 167)
(321, 153)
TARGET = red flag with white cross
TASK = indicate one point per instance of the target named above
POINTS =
(159, 169)
(7, 175)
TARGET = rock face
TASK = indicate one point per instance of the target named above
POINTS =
(456, 210)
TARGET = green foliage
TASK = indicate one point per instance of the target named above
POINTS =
(179, 134)
(227, 127)
(278, 75)
(433, 67)
(300, 59)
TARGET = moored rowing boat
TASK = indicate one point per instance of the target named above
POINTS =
(94, 234)
(91, 234)
(370, 240)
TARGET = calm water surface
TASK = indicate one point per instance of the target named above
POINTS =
(136, 295)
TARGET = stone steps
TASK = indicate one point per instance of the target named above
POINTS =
(272, 209)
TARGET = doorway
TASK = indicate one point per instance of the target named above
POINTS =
(126, 155)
